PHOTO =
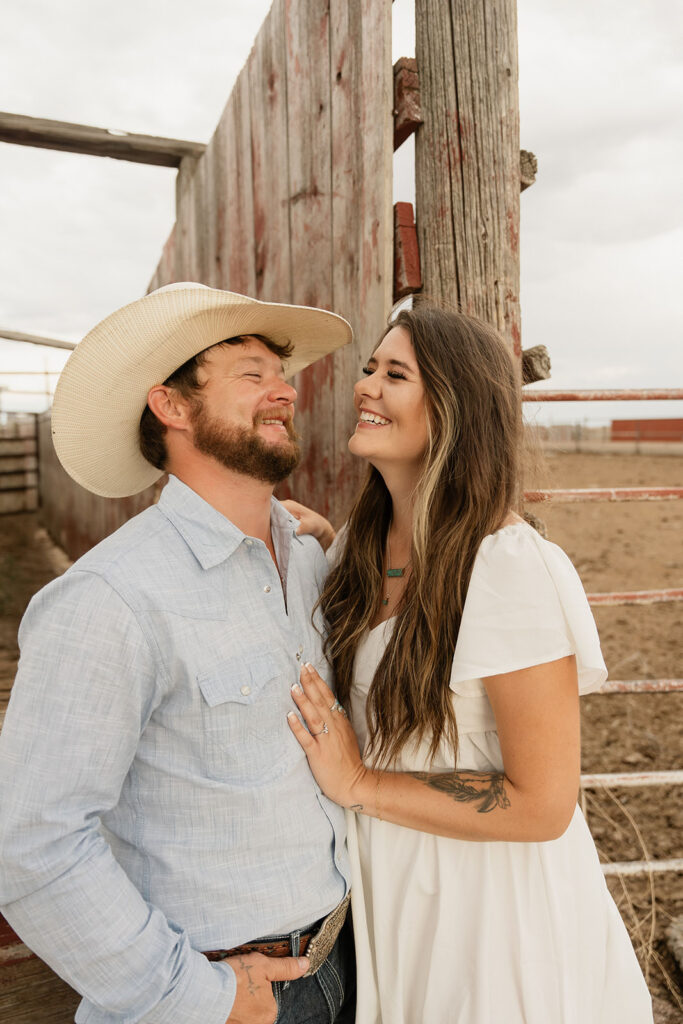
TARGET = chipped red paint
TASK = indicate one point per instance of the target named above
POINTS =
(220, 236)
(516, 336)
(513, 230)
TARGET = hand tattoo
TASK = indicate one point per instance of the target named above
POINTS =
(252, 987)
(469, 787)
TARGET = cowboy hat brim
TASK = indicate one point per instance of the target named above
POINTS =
(103, 388)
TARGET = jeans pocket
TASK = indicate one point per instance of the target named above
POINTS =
(277, 993)
(332, 986)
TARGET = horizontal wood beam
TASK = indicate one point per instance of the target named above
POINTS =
(36, 339)
(535, 364)
(80, 138)
(528, 167)
(408, 116)
(407, 109)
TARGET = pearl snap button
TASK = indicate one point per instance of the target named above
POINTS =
(298, 656)
(245, 690)
(266, 589)
(249, 543)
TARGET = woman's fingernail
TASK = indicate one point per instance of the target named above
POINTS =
(308, 666)
(296, 688)
(291, 716)
(304, 962)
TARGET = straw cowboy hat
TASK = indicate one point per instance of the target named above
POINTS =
(103, 388)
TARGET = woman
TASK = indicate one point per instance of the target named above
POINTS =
(460, 641)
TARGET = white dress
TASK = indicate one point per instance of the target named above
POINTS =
(456, 932)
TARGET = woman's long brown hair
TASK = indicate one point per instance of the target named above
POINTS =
(469, 483)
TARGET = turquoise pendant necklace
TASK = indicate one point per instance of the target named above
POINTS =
(392, 572)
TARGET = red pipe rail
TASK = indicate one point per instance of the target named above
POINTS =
(642, 867)
(631, 779)
(609, 395)
(642, 686)
(575, 494)
(629, 597)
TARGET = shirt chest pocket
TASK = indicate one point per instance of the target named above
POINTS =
(244, 704)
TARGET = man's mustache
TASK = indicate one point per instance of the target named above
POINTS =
(285, 416)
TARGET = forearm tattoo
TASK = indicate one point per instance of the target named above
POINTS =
(484, 788)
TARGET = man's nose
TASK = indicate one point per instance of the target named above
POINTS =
(282, 392)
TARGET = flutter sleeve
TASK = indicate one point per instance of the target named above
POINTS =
(525, 606)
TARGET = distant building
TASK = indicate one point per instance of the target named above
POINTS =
(646, 430)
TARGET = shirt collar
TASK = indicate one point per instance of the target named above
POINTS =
(210, 536)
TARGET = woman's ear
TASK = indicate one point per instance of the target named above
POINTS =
(169, 407)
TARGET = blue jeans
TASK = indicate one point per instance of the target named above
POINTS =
(329, 995)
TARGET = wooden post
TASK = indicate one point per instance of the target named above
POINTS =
(467, 158)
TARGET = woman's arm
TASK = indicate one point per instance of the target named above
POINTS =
(532, 800)
(311, 522)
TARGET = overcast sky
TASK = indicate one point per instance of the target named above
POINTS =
(601, 99)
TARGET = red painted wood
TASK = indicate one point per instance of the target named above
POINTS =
(407, 276)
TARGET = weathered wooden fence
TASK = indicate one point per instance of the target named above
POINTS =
(291, 202)
(75, 518)
(18, 464)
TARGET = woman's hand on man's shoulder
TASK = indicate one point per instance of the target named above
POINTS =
(311, 522)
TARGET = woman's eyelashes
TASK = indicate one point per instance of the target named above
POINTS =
(393, 374)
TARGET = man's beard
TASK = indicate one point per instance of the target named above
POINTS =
(243, 449)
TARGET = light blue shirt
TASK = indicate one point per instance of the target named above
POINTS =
(153, 799)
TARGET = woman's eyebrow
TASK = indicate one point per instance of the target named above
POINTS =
(393, 362)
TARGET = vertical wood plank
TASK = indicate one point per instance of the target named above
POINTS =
(187, 265)
(269, 156)
(467, 158)
(239, 209)
(307, 26)
(362, 218)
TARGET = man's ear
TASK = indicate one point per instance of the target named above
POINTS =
(169, 407)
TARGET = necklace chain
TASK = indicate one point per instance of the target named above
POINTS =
(391, 572)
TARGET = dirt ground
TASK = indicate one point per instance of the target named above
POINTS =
(616, 546)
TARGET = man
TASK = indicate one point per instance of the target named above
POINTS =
(155, 805)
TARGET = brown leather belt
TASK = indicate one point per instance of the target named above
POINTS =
(321, 937)
(272, 947)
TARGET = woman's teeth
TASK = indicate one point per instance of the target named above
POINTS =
(371, 417)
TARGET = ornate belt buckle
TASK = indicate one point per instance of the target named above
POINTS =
(320, 946)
